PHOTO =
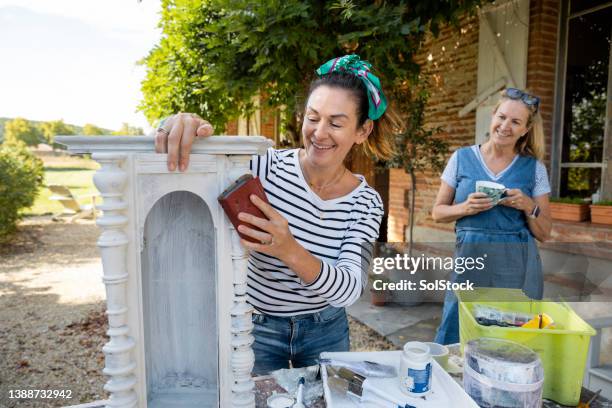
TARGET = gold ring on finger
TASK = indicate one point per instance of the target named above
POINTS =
(512, 202)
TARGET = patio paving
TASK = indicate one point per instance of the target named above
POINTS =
(398, 323)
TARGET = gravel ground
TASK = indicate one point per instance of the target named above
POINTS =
(52, 315)
(49, 286)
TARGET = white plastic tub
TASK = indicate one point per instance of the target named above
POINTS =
(502, 373)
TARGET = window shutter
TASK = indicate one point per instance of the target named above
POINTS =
(502, 57)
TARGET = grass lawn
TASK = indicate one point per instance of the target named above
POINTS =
(73, 172)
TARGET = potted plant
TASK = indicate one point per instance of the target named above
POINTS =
(569, 209)
(601, 213)
(379, 295)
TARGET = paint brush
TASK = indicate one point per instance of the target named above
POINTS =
(365, 368)
(358, 385)
(299, 398)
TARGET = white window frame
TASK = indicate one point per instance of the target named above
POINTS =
(559, 109)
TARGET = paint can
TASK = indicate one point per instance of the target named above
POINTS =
(415, 369)
(280, 401)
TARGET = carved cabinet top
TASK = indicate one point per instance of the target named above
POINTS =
(238, 145)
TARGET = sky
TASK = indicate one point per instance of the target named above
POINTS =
(75, 59)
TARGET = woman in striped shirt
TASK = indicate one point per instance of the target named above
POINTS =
(309, 261)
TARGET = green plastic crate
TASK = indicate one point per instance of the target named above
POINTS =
(563, 350)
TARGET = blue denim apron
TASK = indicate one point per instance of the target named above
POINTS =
(512, 259)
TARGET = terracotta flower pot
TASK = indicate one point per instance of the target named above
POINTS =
(569, 212)
(379, 297)
(601, 214)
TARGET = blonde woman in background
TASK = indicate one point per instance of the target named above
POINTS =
(504, 232)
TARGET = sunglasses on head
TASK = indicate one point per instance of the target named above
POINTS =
(529, 100)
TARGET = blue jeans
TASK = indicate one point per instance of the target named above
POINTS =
(448, 331)
(299, 339)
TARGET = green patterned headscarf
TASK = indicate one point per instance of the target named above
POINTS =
(361, 69)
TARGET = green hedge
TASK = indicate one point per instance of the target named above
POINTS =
(21, 176)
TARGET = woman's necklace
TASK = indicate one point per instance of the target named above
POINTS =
(324, 186)
(319, 189)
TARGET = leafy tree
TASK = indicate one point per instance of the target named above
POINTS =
(20, 129)
(421, 149)
(126, 129)
(55, 127)
(216, 54)
(179, 76)
(93, 130)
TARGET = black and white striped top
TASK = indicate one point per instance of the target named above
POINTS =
(332, 230)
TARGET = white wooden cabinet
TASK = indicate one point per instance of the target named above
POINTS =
(175, 273)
